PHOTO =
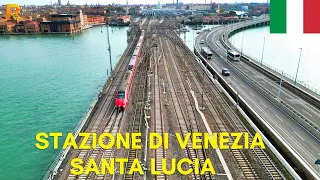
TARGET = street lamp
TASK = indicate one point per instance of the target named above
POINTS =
(264, 41)
(109, 48)
(295, 80)
(280, 84)
(242, 43)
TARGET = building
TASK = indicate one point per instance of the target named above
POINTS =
(7, 27)
(135, 10)
(66, 23)
(19, 28)
(259, 10)
(95, 11)
(95, 20)
(32, 27)
(45, 27)
(120, 20)
(201, 6)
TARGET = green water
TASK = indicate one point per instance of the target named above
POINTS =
(47, 83)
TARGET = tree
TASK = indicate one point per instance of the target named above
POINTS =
(232, 13)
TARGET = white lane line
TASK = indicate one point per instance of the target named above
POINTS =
(289, 135)
(263, 104)
(278, 118)
(294, 141)
(252, 94)
(307, 113)
(298, 135)
(310, 109)
(242, 85)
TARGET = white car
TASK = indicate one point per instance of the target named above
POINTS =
(201, 41)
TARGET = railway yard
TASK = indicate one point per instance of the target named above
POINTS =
(171, 93)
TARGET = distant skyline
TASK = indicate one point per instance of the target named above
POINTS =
(82, 2)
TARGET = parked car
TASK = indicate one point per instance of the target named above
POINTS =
(225, 72)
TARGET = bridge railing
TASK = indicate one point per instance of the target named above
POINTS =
(302, 83)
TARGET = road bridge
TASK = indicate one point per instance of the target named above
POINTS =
(251, 84)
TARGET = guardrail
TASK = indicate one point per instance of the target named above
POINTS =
(234, 97)
(287, 84)
(293, 113)
(258, 120)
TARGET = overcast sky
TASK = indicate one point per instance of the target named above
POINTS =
(43, 2)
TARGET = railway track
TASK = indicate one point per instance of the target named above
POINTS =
(158, 123)
(102, 118)
(183, 108)
(227, 121)
(139, 91)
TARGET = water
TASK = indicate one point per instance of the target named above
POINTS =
(282, 53)
(189, 37)
(48, 82)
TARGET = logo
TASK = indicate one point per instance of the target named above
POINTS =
(278, 15)
(15, 13)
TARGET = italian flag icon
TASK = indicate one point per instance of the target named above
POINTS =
(281, 11)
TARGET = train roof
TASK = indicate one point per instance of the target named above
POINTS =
(125, 81)
(132, 60)
(136, 50)
(140, 39)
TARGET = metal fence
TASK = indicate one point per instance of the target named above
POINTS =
(301, 83)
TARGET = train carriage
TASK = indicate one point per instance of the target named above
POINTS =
(132, 62)
(122, 96)
(123, 93)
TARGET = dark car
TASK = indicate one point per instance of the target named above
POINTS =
(225, 72)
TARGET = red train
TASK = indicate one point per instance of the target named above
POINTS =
(123, 93)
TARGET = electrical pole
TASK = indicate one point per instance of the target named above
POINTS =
(279, 91)
(295, 79)
(242, 44)
(264, 41)
(109, 48)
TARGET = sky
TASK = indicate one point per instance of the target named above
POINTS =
(43, 2)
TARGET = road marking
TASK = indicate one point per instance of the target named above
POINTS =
(263, 104)
(307, 113)
(278, 118)
(252, 94)
(310, 109)
(298, 135)
(242, 85)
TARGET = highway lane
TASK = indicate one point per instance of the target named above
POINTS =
(305, 145)
(303, 107)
